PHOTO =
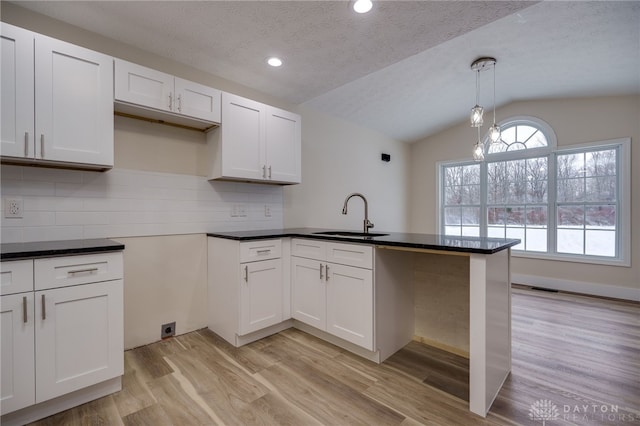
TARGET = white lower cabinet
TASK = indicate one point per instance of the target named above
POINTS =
(248, 293)
(64, 334)
(334, 297)
(17, 352)
(79, 337)
(260, 295)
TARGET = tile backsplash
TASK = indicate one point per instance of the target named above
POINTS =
(70, 204)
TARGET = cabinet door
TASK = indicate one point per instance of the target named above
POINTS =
(196, 100)
(143, 86)
(16, 91)
(283, 143)
(350, 304)
(17, 352)
(242, 138)
(74, 103)
(260, 295)
(308, 296)
(79, 337)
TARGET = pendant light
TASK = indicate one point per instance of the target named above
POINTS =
(477, 111)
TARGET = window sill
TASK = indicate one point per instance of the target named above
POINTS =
(594, 260)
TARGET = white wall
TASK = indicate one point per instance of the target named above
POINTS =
(339, 158)
(574, 121)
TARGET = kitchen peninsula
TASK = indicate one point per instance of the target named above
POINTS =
(370, 294)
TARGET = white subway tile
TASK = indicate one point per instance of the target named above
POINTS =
(52, 233)
(39, 174)
(82, 218)
(8, 172)
(11, 235)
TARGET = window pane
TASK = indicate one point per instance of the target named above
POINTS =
(471, 175)
(601, 163)
(536, 239)
(536, 216)
(452, 216)
(571, 216)
(600, 243)
(570, 241)
(570, 166)
(603, 217)
(452, 195)
(471, 194)
(570, 190)
(453, 176)
(495, 232)
(601, 188)
(538, 140)
(524, 133)
(452, 230)
(471, 215)
(515, 216)
(537, 191)
(471, 231)
(496, 215)
(519, 234)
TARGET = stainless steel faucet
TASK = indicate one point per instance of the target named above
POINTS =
(367, 223)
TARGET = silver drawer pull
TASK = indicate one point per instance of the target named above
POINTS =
(26, 144)
(326, 275)
(44, 309)
(42, 145)
(79, 271)
(24, 309)
(246, 273)
(321, 276)
(263, 251)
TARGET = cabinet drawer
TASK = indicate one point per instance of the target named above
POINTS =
(252, 251)
(16, 276)
(73, 270)
(311, 249)
(350, 254)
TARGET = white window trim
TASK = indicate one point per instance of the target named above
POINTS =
(624, 193)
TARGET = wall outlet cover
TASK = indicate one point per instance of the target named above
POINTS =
(168, 330)
(13, 207)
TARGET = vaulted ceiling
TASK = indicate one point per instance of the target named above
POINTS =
(402, 69)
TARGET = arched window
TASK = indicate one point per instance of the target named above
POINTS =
(522, 133)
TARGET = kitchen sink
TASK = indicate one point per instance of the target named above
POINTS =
(351, 234)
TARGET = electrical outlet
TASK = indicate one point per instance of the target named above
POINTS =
(242, 210)
(13, 207)
(267, 210)
(168, 330)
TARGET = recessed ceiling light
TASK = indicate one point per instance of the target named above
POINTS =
(362, 6)
(274, 61)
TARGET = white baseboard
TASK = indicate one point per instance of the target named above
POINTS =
(594, 289)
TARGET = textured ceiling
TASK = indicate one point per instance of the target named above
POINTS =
(402, 69)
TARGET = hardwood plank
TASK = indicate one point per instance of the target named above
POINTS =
(153, 415)
(135, 395)
(102, 411)
(178, 404)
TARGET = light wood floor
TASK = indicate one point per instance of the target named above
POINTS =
(571, 350)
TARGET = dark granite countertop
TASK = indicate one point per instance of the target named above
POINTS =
(15, 251)
(391, 239)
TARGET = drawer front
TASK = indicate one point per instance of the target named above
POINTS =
(350, 254)
(252, 251)
(311, 249)
(16, 276)
(65, 271)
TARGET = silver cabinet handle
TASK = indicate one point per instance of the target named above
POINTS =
(267, 251)
(170, 100)
(246, 273)
(44, 309)
(24, 309)
(26, 144)
(180, 103)
(269, 172)
(321, 276)
(42, 146)
(79, 271)
(326, 275)
(264, 172)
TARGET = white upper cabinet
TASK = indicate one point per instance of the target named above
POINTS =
(146, 92)
(57, 102)
(256, 142)
(17, 92)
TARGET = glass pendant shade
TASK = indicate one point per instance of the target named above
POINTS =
(478, 151)
(494, 133)
(476, 116)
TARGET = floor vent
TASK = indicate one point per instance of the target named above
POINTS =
(548, 290)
